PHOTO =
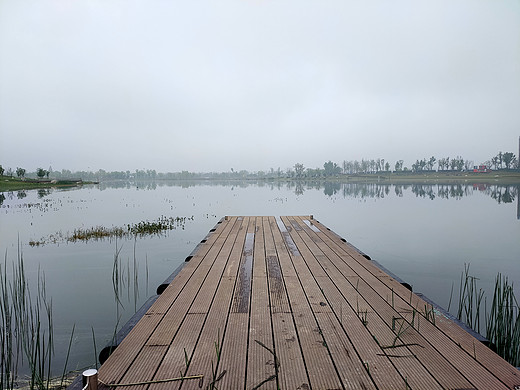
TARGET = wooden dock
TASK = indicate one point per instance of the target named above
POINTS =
(285, 303)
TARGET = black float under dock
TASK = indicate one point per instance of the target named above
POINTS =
(285, 303)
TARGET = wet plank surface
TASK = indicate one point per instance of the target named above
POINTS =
(285, 303)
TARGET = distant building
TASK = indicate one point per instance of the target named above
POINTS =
(481, 168)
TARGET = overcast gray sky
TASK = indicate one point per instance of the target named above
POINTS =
(212, 85)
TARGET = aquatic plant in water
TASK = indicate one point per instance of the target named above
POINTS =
(26, 329)
(502, 320)
(140, 229)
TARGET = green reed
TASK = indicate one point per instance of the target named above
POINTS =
(27, 332)
(470, 300)
(502, 321)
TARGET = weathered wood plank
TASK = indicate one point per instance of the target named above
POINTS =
(234, 346)
(320, 369)
(207, 354)
(291, 370)
(260, 357)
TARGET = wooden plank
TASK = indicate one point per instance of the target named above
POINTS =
(234, 352)
(277, 295)
(207, 353)
(291, 370)
(320, 369)
(260, 357)
(234, 347)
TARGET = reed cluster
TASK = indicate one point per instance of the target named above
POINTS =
(502, 320)
(26, 331)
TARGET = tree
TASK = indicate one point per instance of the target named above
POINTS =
(431, 162)
(387, 166)
(494, 162)
(399, 165)
(331, 168)
(453, 164)
(299, 169)
(509, 159)
(40, 172)
(345, 166)
(372, 165)
(1, 170)
(20, 172)
(423, 164)
(419, 165)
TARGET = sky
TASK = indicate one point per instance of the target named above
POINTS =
(255, 84)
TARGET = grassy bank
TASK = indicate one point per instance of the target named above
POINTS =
(12, 184)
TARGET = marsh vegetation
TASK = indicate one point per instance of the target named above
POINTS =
(501, 318)
(140, 229)
(27, 330)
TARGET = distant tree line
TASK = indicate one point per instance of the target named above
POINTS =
(503, 160)
(374, 166)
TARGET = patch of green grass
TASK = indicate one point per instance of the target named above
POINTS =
(8, 183)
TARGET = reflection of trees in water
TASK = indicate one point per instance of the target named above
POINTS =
(298, 189)
(502, 193)
(331, 188)
(43, 192)
(366, 190)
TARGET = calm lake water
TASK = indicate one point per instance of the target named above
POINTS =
(422, 233)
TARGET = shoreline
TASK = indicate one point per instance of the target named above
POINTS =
(14, 184)
(433, 177)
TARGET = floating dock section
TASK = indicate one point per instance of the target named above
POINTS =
(285, 303)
